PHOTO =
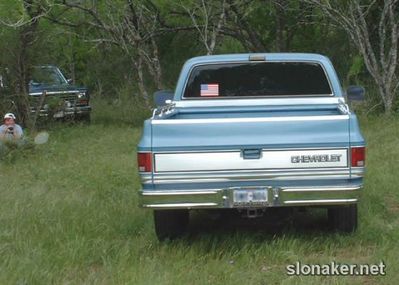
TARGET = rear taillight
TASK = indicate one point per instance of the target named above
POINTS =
(358, 155)
(83, 101)
(144, 160)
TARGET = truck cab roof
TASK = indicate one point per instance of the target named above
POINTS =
(267, 56)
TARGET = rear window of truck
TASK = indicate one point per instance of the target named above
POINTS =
(265, 79)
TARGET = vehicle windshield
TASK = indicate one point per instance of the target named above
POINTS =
(47, 75)
(265, 79)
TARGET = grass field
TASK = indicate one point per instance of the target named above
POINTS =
(69, 215)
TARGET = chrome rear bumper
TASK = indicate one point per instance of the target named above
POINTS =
(276, 197)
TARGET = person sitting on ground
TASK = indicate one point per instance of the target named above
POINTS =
(10, 131)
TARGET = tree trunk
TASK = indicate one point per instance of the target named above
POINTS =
(27, 36)
(156, 65)
(280, 25)
(138, 63)
(23, 75)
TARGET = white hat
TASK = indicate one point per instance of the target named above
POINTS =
(9, 116)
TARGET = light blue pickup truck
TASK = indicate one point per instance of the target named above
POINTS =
(251, 131)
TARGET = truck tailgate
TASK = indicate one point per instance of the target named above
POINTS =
(250, 142)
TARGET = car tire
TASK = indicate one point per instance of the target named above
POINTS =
(343, 218)
(84, 118)
(170, 224)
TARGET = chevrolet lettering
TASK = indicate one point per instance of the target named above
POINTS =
(316, 158)
(251, 132)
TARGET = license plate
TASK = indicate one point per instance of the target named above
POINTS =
(250, 197)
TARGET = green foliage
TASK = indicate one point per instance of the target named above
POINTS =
(127, 107)
(12, 11)
(106, 68)
(7, 103)
(10, 151)
(357, 67)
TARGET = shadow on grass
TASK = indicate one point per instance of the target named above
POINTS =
(274, 222)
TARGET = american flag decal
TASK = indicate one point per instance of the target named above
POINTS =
(209, 90)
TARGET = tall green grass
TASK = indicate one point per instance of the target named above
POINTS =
(69, 215)
(125, 108)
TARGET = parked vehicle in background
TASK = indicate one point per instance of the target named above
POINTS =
(53, 95)
(248, 132)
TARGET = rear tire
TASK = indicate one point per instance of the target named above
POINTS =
(170, 224)
(343, 218)
(84, 118)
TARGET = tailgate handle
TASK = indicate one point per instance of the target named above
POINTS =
(251, 153)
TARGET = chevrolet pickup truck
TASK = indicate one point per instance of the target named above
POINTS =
(248, 132)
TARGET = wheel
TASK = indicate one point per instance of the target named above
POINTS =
(170, 224)
(343, 218)
(84, 118)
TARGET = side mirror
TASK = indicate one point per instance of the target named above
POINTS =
(160, 97)
(355, 93)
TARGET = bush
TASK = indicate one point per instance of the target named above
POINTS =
(124, 107)
(11, 151)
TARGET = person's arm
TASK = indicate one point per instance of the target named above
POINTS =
(18, 132)
(2, 132)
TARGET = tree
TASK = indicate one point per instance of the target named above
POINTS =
(208, 18)
(375, 35)
(130, 25)
(26, 24)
